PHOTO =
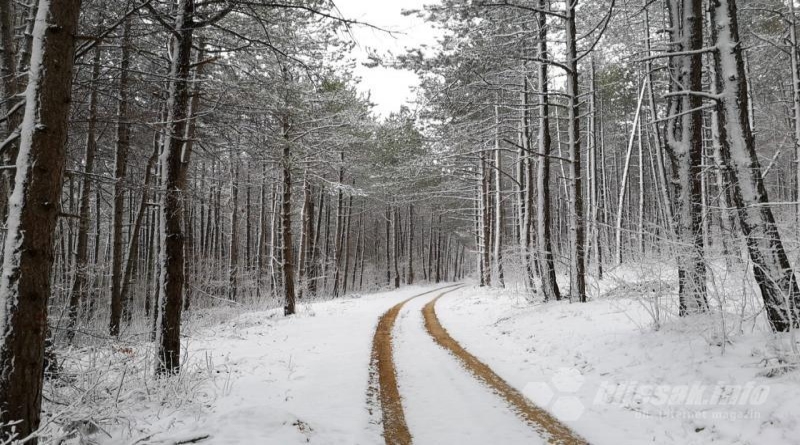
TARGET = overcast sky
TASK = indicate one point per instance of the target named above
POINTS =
(389, 88)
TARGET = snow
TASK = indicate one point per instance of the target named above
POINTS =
(596, 366)
(279, 380)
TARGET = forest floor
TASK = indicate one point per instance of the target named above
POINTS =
(602, 369)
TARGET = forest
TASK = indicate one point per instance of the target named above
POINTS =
(568, 173)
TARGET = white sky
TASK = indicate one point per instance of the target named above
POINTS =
(389, 88)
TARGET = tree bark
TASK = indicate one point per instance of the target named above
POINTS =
(305, 234)
(410, 274)
(339, 232)
(191, 133)
(173, 185)
(525, 179)
(498, 202)
(771, 266)
(120, 172)
(685, 141)
(548, 273)
(80, 282)
(33, 212)
(396, 246)
(233, 250)
(10, 88)
(594, 196)
(286, 223)
(485, 223)
(576, 216)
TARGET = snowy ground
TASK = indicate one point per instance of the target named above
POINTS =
(291, 380)
(600, 367)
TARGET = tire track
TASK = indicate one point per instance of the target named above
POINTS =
(383, 375)
(540, 420)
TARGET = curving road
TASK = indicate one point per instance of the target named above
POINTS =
(432, 391)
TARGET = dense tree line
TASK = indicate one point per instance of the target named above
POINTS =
(173, 155)
(618, 131)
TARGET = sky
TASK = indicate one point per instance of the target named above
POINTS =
(389, 88)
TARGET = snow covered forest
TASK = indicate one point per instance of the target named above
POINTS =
(582, 228)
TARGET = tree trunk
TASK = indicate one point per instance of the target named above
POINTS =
(286, 223)
(233, 250)
(133, 244)
(191, 131)
(305, 233)
(498, 202)
(795, 66)
(771, 266)
(686, 147)
(525, 178)
(8, 106)
(410, 274)
(80, 282)
(339, 232)
(548, 273)
(623, 188)
(439, 249)
(33, 212)
(349, 220)
(314, 251)
(261, 248)
(640, 213)
(594, 196)
(576, 218)
(396, 246)
(485, 223)
(663, 184)
(388, 246)
(120, 171)
(173, 185)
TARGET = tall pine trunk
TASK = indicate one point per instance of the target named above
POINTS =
(173, 185)
(32, 215)
(286, 224)
(120, 169)
(576, 218)
(771, 267)
(546, 258)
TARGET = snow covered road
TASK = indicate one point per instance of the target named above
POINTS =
(312, 378)
(443, 403)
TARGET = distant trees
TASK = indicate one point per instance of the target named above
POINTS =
(694, 109)
(489, 76)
